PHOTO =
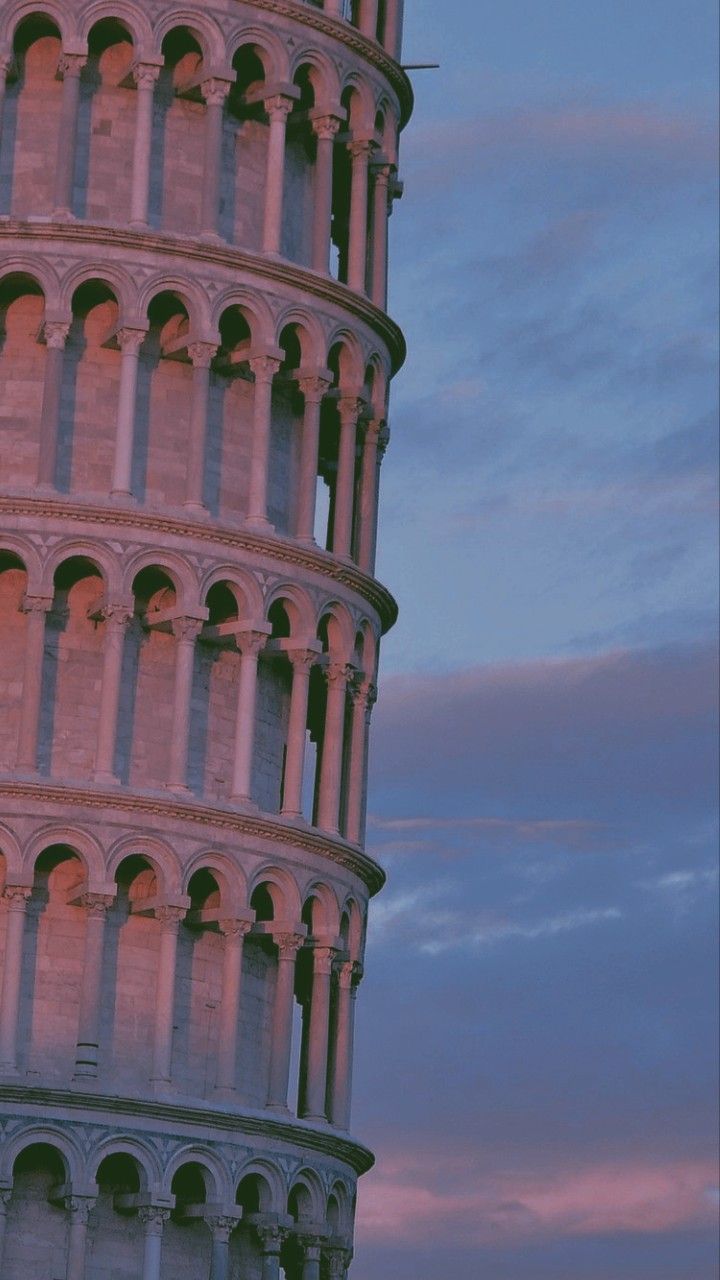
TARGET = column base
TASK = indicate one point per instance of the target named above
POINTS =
(279, 1109)
(122, 495)
(244, 802)
(314, 1119)
(258, 524)
(196, 509)
(224, 1093)
(178, 788)
(106, 779)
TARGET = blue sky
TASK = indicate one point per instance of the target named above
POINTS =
(536, 1055)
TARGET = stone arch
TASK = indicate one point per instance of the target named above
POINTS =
(345, 358)
(115, 278)
(306, 1196)
(101, 559)
(201, 26)
(230, 878)
(131, 16)
(218, 1186)
(376, 384)
(50, 9)
(11, 851)
(45, 1135)
(298, 607)
(253, 308)
(311, 339)
(186, 293)
(37, 271)
(336, 630)
(351, 927)
(175, 567)
(28, 556)
(271, 1184)
(324, 917)
(159, 855)
(324, 76)
(146, 1159)
(270, 51)
(282, 890)
(242, 583)
(340, 1224)
(80, 843)
(365, 649)
(356, 96)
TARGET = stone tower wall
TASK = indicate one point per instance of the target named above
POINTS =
(194, 369)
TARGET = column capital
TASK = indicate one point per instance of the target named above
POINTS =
(349, 973)
(117, 613)
(145, 74)
(278, 105)
(338, 1260)
(271, 1236)
(79, 1207)
(187, 629)
(36, 604)
(170, 916)
(55, 334)
(251, 641)
(302, 659)
(325, 125)
(338, 672)
(153, 1218)
(233, 927)
(96, 904)
(17, 896)
(350, 406)
(382, 170)
(202, 354)
(361, 148)
(323, 959)
(215, 90)
(264, 366)
(222, 1225)
(311, 1239)
(5, 1198)
(288, 944)
(70, 65)
(314, 385)
(363, 692)
(130, 338)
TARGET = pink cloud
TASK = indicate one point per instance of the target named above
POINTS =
(398, 1202)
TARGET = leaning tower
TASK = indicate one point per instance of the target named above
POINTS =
(194, 366)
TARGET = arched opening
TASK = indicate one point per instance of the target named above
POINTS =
(246, 1253)
(199, 987)
(52, 965)
(72, 671)
(114, 1237)
(178, 136)
(106, 125)
(230, 419)
(22, 372)
(245, 151)
(31, 120)
(13, 630)
(35, 1214)
(90, 384)
(132, 950)
(148, 681)
(164, 397)
(187, 1242)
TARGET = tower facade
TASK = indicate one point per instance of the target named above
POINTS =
(194, 367)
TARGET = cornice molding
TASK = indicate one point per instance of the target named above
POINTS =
(280, 549)
(341, 30)
(279, 270)
(250, 1124)
(251, 826)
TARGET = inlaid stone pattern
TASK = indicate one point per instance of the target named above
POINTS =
(195, 361)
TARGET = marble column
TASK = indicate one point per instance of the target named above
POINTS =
(313, 389)
(278, 108)
(337, 1261)
(368, 18)
(78, 1209)
(5, 1198)
(145, 75)
(331, 756)
(116, 618)
(86, 1053)
(264, 369)
(349, 973)
(6, 64)
(349, 410)
(129, 341)
(221, 1228)
(234, 932)
(169, 918)
(318, 1037)
(55, 333)
(325, 128)
(249, 643)
(302, 661)
(378, 282)
(372, 452)
(186, 632)
(288, 945)
(36, 608)
(70, 68)
(17, 897)
(201, 355)
(360, 150)
(271, 1241)
(311, 1246)
(153, 1220)
(363, 696)
(214, 92)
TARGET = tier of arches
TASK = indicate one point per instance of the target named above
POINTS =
(120, 1203)
(139, 674)
(212, 981)
(149, 396)
(179, 130)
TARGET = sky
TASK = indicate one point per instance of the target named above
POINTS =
(535, 1056)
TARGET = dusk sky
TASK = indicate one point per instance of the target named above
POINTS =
(536, 1028)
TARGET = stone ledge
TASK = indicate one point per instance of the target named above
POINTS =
(239, 1122)
(261, 827)
(286, 551)
(170, 244)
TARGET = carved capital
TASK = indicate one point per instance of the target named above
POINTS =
(382, 172)
(288, 944)
(337, 673)
(250, 643)
(338, 1260)
(96, 904)
(350, 408)
(349, 974)
(170, 917)
(302, 660)
(361, 149)
(130, 340)
(222, 1226)
(145, 74)
(5, 1198)
(215, 91)
(323, 958)
(264, 367)
(17, 896)
(186, 630)
(79, 1207)
(117, 616)
(311, 1243)
(202, 354)
(314, 388)
(278, 106)
(326, 127)
(153, 1219)
(271, 1237)
(70, 65)
(363, 693)
(55, 333)
(232, 928)
(36, 604)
